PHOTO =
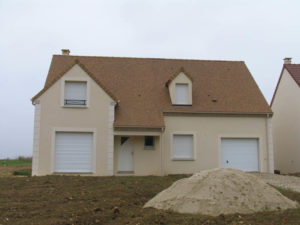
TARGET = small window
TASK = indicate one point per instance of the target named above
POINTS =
(75, 93)
(183, 147)
(149, 142)
(124, 139)
(182, 94)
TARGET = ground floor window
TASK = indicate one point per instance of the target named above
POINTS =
(149, 142)
(183, 147)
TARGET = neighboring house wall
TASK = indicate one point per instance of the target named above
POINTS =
(96, 118)
(286, 125)
(208, 131)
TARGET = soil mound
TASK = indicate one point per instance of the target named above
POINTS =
(220, 191)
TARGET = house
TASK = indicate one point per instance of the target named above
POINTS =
(286, 119)
(145, 116)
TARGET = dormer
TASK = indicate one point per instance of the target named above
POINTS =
(180, 88)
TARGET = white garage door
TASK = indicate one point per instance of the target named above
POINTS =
(240, 153)
(73, 152)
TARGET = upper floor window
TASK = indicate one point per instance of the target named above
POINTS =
(182, 94)
(75, 93)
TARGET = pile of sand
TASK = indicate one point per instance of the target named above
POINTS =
(220, 191)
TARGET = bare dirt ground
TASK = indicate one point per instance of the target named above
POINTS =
(105, 200)
(108, 200)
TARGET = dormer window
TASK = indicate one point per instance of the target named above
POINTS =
(180, 89)
(182, 94)
(75, 93)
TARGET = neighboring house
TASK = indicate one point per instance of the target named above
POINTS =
(142, 116)
(286, 119)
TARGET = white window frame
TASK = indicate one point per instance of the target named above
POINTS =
(188, 93)
(188, 133)
(85, 80)
(149, 147)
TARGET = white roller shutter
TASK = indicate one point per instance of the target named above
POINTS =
(75, 90)
(183, 147)
(182, 94)
(240, 153)
(73, 152)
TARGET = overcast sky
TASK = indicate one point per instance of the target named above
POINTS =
(259, 32)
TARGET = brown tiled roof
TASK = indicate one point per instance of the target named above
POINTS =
(294, 71)
(140, 86)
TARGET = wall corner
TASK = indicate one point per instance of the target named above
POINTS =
(36, 139)
(110, 141)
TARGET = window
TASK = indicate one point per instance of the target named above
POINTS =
(124, 139)
(183, 147)
(75, 93)
(149, 142)
(182, 94)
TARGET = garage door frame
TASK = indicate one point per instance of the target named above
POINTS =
(73, 130)
(258, 138)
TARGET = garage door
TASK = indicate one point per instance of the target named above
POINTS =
(73, 152)
(239, 153)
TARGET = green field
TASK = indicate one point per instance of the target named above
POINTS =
(8, 162)
(15, 167)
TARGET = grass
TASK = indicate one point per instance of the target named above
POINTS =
(19, 161)
(15, 167)
(22, 173)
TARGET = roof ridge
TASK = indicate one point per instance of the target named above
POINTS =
(126, 57)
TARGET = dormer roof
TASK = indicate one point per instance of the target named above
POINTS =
(181, 70)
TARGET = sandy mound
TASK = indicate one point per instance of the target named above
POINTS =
(220, 191)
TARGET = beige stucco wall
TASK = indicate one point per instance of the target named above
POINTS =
(145, 161)
(181, 78)
(208, 131)
(94, 118)
(286, 125)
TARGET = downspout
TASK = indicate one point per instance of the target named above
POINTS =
(270, 144)
(162, 170)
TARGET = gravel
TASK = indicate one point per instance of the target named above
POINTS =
(283, 181)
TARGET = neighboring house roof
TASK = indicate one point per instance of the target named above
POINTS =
(139, 84)
(294, 71)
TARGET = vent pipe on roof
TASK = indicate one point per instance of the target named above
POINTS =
(65, 52)
(287, 60)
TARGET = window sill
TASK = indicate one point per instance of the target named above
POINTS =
(183, 159)
(182, 105)
(75, 106)
(149, 148)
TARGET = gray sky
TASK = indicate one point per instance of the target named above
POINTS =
(259, 32)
